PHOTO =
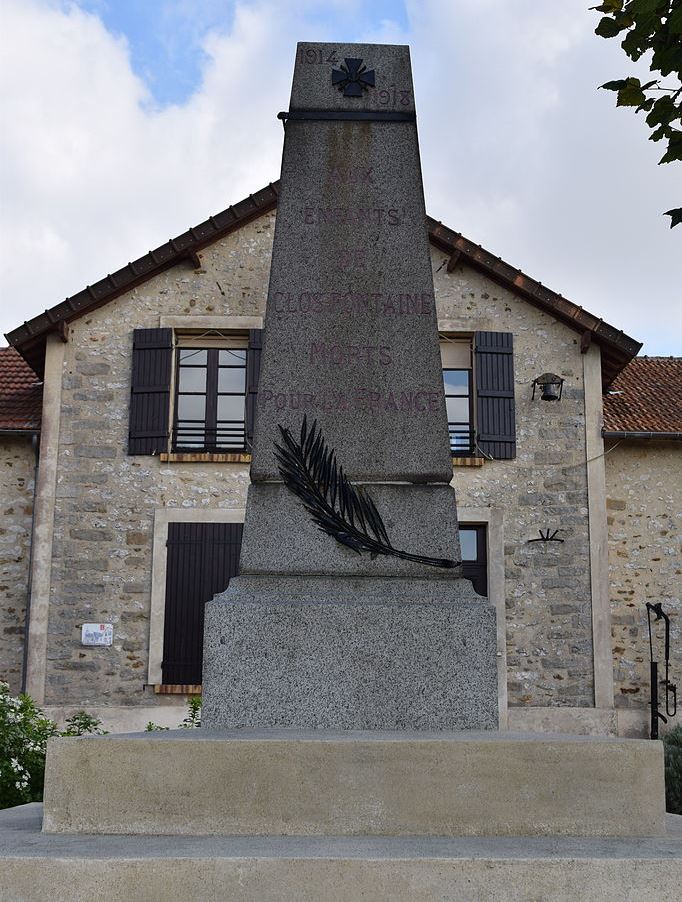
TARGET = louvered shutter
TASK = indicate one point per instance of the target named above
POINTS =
(150, 391)
(253, 358)
(494, 374)
(201, 558)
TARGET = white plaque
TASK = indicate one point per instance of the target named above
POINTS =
(97, 634)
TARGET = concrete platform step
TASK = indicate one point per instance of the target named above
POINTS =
(75, 868)
(354, 783)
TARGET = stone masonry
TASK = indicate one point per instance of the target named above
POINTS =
(101, 565)
(17, 465)
(547, 586)
(644, 509)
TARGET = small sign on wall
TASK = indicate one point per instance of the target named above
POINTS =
(97, 634)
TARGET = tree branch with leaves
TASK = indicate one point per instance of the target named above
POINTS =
(653, 26)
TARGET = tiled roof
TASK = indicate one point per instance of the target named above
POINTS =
(616, 347)
(646, 397)
(21, 394)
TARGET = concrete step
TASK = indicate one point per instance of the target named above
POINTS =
(354, 784)
(79, 868)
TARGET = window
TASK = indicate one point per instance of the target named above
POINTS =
(210, 405)
(472, 540)
(208, 383)
(456, 362)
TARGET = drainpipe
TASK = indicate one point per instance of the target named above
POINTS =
(35, 443)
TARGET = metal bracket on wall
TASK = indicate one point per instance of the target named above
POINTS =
(546, 536)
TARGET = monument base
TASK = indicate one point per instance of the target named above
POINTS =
(354, 654)
(318, 783)
(36, 866)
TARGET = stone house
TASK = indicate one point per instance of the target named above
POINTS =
(642, 433)
(149, 392)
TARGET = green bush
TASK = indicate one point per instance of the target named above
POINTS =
(672, 749)
(193, 719)
(24, 731)
(81, 723)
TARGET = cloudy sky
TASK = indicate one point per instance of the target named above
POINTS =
(127, 121)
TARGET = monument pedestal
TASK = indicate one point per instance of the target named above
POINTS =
(339, 817)
(353, 654)
(356, 783)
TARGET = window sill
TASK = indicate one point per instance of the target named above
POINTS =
(177, 689)
(193, 457)
(467, 461)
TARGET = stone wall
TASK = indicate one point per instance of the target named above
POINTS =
(644, 509)
(547, 586)
(105, 500)
(17, 466)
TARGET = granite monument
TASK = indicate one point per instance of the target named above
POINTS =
(350, 610)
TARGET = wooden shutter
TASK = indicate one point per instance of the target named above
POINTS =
(253, 357)
(200, 561)
(150, 391)
(494, 374)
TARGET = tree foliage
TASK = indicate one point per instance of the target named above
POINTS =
(653, 26)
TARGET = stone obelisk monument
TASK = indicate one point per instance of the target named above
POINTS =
(349, 610)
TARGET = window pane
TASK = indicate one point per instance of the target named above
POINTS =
(195, 356)
(231, 379)
(191, 407)
(458, 410)
(456, 382)
(230, 407)
(192, 378)
(231, 357)
(467, 540)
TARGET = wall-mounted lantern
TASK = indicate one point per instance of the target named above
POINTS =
(551, 386)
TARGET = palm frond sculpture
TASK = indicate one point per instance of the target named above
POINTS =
(344, 511)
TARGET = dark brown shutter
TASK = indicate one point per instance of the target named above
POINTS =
(201, 559)
(253, 357)
(150, 391)
(494, 372)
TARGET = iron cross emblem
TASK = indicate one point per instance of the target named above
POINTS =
(353, 78)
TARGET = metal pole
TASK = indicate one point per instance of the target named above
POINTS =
(654, 699)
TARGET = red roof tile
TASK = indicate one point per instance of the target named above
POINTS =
(21, 393)
(646, 397)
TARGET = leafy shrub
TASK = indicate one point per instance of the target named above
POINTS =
(672, 749)
(82, 723)
(24, 731)
(193, 719)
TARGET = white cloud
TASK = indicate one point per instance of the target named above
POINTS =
(520, 152)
